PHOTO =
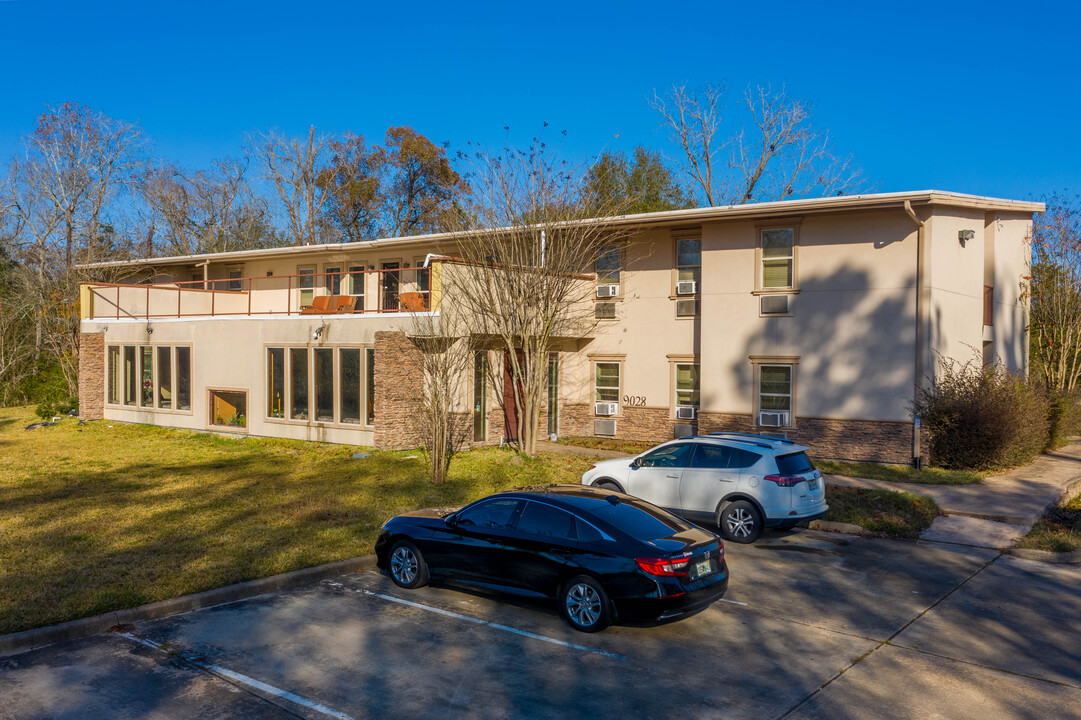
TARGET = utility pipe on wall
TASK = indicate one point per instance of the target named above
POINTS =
(921, 327)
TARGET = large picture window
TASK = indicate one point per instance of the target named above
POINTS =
(165, 377)
(183, 378)
(349, 384)
(152, 376)
(324, 385)
(275, 374)
(369, 395)
(778, 258)
(116, 376)
(229, 409)
(298, 383)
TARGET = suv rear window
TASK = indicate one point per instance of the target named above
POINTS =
(794, 464)
(640, 523)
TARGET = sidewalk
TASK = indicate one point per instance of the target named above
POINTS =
(997, 511)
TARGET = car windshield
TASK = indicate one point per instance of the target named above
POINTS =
(638, 521)
(794, 464)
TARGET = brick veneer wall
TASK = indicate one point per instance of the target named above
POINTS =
(92, 376)
(399, 378)
(858, 440)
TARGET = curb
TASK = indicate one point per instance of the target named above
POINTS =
(1055, 558)
(839, 527)
(29, 639)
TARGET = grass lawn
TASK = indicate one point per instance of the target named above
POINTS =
(893, 514)
(109, 516)
(1059, 530)
(900, 473)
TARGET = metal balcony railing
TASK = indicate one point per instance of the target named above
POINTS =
(342, 292)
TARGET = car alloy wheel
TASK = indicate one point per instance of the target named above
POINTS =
(740, 522)
(585, 605)
(407, 566)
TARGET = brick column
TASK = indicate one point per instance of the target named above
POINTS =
(92, 376)
(399, 378)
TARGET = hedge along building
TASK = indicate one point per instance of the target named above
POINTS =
(818, 319)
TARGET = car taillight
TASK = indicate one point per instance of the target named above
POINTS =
(661, 566)
(784, 480)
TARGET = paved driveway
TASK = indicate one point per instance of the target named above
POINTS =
(814, 626)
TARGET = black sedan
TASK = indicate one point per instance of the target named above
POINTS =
(602, 555)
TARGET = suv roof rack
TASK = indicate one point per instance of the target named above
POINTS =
(766, 438)
(742, 440)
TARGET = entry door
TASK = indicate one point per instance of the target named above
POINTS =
(656, 475)
(392, 280)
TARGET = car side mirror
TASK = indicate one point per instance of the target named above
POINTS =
(637, 462)
(451, 520)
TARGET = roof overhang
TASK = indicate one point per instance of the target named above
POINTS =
(642, 220)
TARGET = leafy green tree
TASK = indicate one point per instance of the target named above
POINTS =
(638, 184)
(353, 181)
(421, 187)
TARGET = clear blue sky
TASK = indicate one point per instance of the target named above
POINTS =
(979, 97)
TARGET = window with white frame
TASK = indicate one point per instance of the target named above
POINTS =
(775, 394)
(778, 258)
(306, 285)
(608, 265)
(356, 284)
(236, 283)
(688, 265)
(606, 382)
(687, 384)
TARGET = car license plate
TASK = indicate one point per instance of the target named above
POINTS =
(812, 484)
(703, 568)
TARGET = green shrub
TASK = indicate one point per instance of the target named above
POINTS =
(52, 409)
(1064, 419)
(982, 418)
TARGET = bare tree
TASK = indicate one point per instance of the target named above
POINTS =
(293, 166)
(445, 344)
(205, 211)
(1056, 295)
(779, 156)
(527, 238)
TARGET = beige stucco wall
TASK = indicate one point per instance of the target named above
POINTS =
(230, 354)
(852, 322)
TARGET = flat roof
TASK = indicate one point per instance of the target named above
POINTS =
(720, 212)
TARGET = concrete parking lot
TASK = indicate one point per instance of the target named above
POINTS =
(815, 625)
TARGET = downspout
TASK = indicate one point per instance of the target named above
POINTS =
(921, 329)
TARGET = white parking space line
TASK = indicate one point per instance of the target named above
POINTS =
(478, 621)
(250, 682)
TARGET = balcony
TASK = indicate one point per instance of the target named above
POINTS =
(356, 292)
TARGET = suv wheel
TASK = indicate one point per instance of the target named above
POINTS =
(740, 522)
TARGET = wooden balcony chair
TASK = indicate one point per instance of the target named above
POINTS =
(413, 302)
(344, 304)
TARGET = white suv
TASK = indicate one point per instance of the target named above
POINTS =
(742, 483)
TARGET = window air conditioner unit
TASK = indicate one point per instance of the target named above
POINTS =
(686, 412)
(605, 408)
(607, 291)
(604, 427)
(775, 304)
(686, 308)
(686, 287)
(773, 419)
(604, 311)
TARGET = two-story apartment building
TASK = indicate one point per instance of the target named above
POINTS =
(815, 318)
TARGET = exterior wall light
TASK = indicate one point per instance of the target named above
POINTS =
(964, 236)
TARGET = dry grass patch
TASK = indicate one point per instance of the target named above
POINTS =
(108, 516)
(1059, 530)
(889, 513)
